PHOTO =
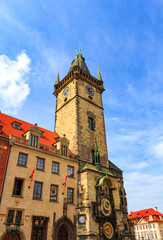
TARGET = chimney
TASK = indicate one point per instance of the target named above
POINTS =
(155, 208)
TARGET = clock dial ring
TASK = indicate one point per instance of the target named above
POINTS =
(66, 92)
(108, 230)
(106, 207)
(90, 90)
(82, 219)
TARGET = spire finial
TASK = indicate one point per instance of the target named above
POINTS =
(57, 78)
(76, 63)
(98, 74)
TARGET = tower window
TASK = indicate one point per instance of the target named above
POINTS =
(91, 123)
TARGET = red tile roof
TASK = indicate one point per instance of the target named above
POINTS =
(7, 130)
(145, 213)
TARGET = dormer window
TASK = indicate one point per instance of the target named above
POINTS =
(33, 140)
(64, 150)
(16, 125)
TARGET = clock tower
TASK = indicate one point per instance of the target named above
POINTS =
(79, 111)
(101, 205)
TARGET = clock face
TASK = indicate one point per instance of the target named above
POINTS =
(90, 90)
(108, 230)
(81, 219)
(106, 207)
(65, 92)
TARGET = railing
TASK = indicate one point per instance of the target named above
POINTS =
(40, 146)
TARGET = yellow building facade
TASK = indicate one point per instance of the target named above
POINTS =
(61, 185)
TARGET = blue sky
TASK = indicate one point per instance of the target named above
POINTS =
(125, 37)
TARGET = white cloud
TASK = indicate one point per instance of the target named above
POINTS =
(143, 190)
(13, 81)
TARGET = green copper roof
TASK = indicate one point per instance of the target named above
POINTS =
(91, 167)
(99, 76)
(57, 79)
(79, 61)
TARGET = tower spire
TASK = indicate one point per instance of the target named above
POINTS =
(97, 156)
(99, 75)
(57, 78)
(76, 62)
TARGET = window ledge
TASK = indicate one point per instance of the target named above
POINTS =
(53, 201)
(42, 170)
(21, 166)
(39, 199)
(71, 177)
(17, 196)
(55, 173)
(70, 203)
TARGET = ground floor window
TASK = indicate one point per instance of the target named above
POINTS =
(39, 228)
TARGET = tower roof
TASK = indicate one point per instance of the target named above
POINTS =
(57, 78)
(79, 61)
(99, 75)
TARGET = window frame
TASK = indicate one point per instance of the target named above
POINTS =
(21, 189)
(34, 191)
(53, 162)
(68, 173)
(18, 164)
(91, 123)
(14, 217)
(52, 200)
(40, 169)
(71, 199)
(64, 150)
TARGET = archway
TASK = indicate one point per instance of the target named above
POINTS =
(64, 229)
(62, 233)
(12, 235)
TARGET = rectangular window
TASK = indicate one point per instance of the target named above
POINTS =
(55, 167)
(16, 126)
(37, 190)
(40, 164)
(17, 191)
(70, 195)
(14, 216)
(10, 216)
(64, 150)
(53, 192)
(91, 123)
(18, 217)
(70, 171)
(39, 228)
(22, 159)
(33, 140)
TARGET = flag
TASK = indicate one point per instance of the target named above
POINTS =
(65, 182)
(31, 176)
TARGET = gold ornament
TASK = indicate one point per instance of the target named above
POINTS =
(108, 230)
(106, 207)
